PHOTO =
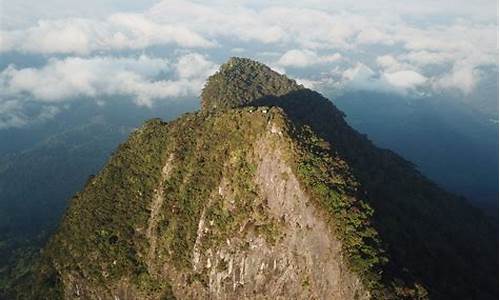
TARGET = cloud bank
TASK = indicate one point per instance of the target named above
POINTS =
(107, 76)
(143, 79)
(156, 50)
(305, 58)
(84, 36)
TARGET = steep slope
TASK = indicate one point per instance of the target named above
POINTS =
(265, 193)
(187, 208)
(35, 186)
(43, 165)
(460, 144)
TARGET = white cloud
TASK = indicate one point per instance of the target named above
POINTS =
(405, 79)
(410, 34)
(305, 58)
(413, 29)
(276, 68)
(145, 79)
(388, 62)
(72, 77)
(374, 36)
(229, 20)
(308, 83)
(83, 36)
(141, 32)
(462, 78)
(309, 24)
(26, 13)
(12, 114)
(61, 36)
(195, 66)
(424, 57)
(362, 77)
(437, 45)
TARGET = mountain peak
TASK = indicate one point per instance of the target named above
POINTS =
(285, 202)
(241, 81)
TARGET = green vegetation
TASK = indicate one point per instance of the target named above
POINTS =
(433, 240)
(331, 184)
(428, 240)
(35, 186)
(105, 220)
(241, 81)
(405, 237)
(102, 237)
(209, 148)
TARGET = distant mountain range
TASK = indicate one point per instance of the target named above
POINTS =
(450, 142)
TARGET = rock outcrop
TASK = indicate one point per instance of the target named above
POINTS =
(266, 193)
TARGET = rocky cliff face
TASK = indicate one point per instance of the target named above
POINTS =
(278, 246)
(266, 193)
(251, 231)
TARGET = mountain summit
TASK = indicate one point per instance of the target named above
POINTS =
(265, 193)
(241, 81)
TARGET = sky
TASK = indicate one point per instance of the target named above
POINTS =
(54, 52)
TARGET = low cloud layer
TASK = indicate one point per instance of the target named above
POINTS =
(144, 79)
(106, 76)
(13, 113)
(85, 36)
(157, 50)
(306, 58)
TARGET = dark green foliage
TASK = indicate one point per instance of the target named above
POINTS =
(105, 220)
(102, 236)
(429, 235)
(330, 182)
(404, 236)
(208, 149)
(241, 81)
(21, 256)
